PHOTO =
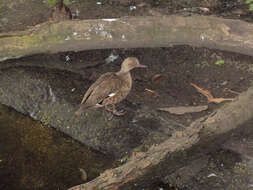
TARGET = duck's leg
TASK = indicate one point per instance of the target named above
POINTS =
(111, 108)
(119, 113)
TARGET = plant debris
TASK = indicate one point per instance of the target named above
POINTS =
(157, 78)
(180, 110)
(210, 97)
(152, 93)
(232, 91)
(219, 62)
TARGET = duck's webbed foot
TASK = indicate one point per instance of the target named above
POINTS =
(111, 108)
(119, 113)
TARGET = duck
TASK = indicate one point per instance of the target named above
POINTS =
(110, 88)
(60, 12)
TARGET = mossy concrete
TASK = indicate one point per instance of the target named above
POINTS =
(47, 95)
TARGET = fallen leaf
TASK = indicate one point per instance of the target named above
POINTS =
(209, 96)
(202, 91)
(184, 109)
(157, 78)
(219, 100)
(232, 91)
(152, 93)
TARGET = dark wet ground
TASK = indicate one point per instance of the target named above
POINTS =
(178, 66)
(229, 168)
(33, 156)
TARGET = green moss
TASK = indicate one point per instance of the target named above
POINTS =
(198, 65)
(66, 2)
(1, 92)
(38, 41)
(52, 2)
(46, 120)
(248, 1)
(219, 62)
(251, 7)
(10, 5)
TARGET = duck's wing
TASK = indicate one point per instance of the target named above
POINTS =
(104, 86)
(94, 85)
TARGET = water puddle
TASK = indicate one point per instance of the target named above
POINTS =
(33, 156)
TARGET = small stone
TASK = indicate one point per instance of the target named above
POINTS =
(224, 83)
(67, 58)
(132, 8)
(113, 56)
(77, 13)
(4, 20)
(68, 38)
(212, 175)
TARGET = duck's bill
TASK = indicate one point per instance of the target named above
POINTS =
(142, 66)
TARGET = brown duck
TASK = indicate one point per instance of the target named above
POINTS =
(110, 88)
(60, 12)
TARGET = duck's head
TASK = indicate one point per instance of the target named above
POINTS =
(130, 63)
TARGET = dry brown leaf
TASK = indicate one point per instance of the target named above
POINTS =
(232, 91)
(157, 78)
(152, 93)
(219, 100)
(180, 110)
(209, 96)
(206, 93)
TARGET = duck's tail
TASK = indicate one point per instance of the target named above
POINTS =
(81, 110)
(84, 108)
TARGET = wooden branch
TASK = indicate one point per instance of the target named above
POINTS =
(129, 32)
(227, 118)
